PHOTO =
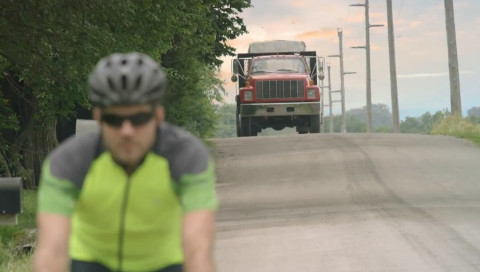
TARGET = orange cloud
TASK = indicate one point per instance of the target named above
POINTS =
(376, 15)
(241, 45)
(357, 18)
(374, 47)
(415, 24)
(300, 4)
(319, 34)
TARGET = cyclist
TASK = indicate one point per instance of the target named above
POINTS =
(137, 195)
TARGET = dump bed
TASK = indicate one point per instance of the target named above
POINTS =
(278, 46)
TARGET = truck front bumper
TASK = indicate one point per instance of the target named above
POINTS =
(280, 109)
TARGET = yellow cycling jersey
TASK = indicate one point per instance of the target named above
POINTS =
(128, 222)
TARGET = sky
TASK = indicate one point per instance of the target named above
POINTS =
(420, 45)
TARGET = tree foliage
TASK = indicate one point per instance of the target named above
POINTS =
(48, 48)
(356, 120)
(474, 115)
(424, 123)
(475, 111)
(226, 124)
(381, 116)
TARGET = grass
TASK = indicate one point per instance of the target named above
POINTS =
(13, 237)
(458, 127)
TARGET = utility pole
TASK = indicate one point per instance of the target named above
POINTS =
(393, 70)
(342, 81)
(321, 77)
(342, 84)
(330, 100)
(367, 49)
(455, 99)
(322, 105)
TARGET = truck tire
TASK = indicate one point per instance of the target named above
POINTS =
(237, 124)
(245, 127)
(248, 127)
(302, 130)
(253, 131)
(315, 123)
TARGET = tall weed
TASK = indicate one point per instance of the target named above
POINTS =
(459, 127)
(14, 256)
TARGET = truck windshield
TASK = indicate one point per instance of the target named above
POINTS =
(278, 65)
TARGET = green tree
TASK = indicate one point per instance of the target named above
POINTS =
(48, 48)
(411, 125)
(474, 115)
(381, 116)
(226, 125)
(355, 125)
(474, 111)
(337, 123)
(424, 123)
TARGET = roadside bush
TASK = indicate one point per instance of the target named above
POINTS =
(458, 127)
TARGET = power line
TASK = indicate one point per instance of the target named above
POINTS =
(399, 10)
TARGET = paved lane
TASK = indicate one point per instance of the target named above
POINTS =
(355, 202)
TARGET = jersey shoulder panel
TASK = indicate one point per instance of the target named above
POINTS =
(71, 160)
(185, 153)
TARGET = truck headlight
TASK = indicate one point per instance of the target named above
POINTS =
(311, 93)
(248, 95)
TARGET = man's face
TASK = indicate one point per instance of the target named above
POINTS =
(129, 131)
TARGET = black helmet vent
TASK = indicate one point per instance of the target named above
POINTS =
(124, 82)
(110, 84)
(138, 82)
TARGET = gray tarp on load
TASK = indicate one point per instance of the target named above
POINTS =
(276, 46)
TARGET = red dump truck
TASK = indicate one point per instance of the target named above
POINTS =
(277, 88)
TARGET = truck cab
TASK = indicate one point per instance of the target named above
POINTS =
(277, 90)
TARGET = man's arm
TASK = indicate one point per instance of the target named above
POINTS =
(51, 254)
(198, 241)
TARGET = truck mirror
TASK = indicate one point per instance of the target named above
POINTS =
(234, 78)
(235, 67)
(321, 76)
(10, 200)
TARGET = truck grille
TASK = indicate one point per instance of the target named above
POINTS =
(270, 89)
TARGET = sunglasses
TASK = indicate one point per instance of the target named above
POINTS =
(136, 120)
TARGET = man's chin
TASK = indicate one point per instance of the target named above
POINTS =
(126, 160)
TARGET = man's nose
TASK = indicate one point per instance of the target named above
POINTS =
(127, 128)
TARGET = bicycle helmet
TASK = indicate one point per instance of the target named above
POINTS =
(126, 79)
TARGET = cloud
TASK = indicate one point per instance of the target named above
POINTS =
(300, 4)
(376, 15)
(319, 34)
(423, 75)
(375, 47)
(415, 24)
(356, 18)
(420, 75)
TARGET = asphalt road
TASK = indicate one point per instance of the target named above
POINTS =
(354, 202)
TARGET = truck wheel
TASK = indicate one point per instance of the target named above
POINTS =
(302, 130)
(245, 127)
(253, 130)
(238, 125)
(315, 123)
